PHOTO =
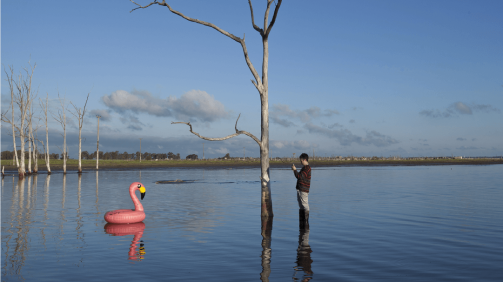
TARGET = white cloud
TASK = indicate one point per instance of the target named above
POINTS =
(280, 144)
(467, 148)
(221, 150)
(462, 108)
(191, 106)
(135, 127)
(459, 108)
(280, 110)
(335, 125)
(346, 137)
(197, 104)
(301, 144)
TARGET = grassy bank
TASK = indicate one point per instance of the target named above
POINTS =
(57, 165)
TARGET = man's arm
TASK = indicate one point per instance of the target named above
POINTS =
(300, 174)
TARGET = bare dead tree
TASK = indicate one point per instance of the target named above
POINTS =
(31, 140)
(79, 114)
(10, 80)
(98, 143)
(261, 84)
(35, 150)
(60, 117)
(21, 95)
(47, 156)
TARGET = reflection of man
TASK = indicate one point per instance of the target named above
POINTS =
(304, 251)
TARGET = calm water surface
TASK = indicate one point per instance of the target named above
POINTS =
(423, 223)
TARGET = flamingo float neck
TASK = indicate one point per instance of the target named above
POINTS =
(137, 205)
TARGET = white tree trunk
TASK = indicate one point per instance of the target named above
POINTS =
(98, 143)
(79, 114)
(80, 151)
(64, 149)
(10, 80)
(35, 158)
(47, 155)
(30, 141)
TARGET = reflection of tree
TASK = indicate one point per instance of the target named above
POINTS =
(78, 230)
(266, 248)
(21, 216)
(9, 237)
(63, 219)
(99, 217)
(303, 250)
(46, 205)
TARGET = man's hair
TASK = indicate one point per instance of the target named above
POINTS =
(304, 156)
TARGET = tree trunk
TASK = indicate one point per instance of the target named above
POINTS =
(80, 151)
(79, 114)
(98, 144)
(29, 151)
(13, 130)
(35, 158)
(264, 150)
(64, 150)
(30, 134)
(22, 170)
(47, 155)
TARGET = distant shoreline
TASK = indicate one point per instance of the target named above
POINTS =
(90, 165)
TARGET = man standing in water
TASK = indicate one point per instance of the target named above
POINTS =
(303, 184)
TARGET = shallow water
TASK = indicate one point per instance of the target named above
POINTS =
(423, 223)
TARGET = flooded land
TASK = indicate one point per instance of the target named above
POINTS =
(367, 223)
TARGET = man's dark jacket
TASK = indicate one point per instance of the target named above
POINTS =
(303, 178)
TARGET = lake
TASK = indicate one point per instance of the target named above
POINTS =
(416, 223)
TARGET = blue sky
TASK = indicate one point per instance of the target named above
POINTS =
(409, 78)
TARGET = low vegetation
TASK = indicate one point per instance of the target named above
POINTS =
(72, 164)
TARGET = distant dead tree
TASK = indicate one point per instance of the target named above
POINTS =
(98, 143)
(21, 95)
(60, 117)
(32, 146)
(79, 114)
(261, 84)
(47, 155)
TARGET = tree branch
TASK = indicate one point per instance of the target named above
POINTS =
(266, 14)
(273, 18)
(238, 132)
(163, 3)
(261, 31)
(78, 113)
(258, 81)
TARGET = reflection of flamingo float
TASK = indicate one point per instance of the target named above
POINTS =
(126, 215)
(135, 229)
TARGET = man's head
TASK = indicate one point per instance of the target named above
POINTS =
(304, 156)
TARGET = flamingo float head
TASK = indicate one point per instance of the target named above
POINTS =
(138, 186)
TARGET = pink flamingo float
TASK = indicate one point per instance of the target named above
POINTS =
(129, 216)
(135, 229)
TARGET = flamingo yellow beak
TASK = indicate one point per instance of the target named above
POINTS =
(142, 191)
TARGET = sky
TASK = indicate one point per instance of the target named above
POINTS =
(361, 78)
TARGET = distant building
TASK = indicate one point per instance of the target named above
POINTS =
(458, 158)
